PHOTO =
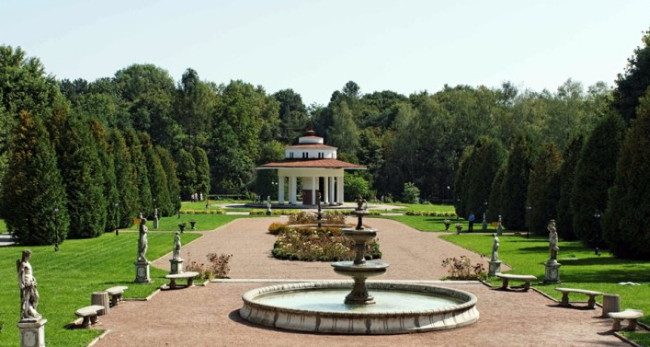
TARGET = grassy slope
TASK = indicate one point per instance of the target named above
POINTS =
(204, 222)
(67, 278)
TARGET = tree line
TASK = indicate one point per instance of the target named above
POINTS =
(526, 155)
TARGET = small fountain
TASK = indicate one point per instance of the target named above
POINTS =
(394, 308)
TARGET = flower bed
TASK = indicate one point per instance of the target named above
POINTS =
(313, 244)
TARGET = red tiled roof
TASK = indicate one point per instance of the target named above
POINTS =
(312, 163)
(312, 145)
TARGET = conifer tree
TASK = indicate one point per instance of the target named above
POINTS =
(594, 175)
(202, 184)
(625, 223)
(495, 203)
(186, 172)
(173, 186)
(107, 168)
(145, 199)
(157, 177)
(544, 188)
(83, 180)
(126, 179)
(486, 159)
(515, 186)
(564, 220)
(33, 195)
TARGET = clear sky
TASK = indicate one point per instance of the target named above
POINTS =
(315, 47)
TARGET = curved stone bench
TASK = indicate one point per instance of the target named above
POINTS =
(506, 278)
(116, 294)
(629, 314)
(565, 296)
(189, 276)
(89, 314)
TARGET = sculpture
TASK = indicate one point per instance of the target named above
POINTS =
(28, 292)
(361, 203)
(176, 254)
(495, 248)
(142, 241)
(552, 239)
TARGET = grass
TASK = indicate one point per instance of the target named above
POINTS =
(204, 222)
(424, 208)
(581, 268)
(436, 224)
(67, 278)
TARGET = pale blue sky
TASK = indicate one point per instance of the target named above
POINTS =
(315, 47)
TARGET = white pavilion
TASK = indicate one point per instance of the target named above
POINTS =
(314, 164)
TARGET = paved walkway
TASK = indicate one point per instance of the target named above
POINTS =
(208, 315)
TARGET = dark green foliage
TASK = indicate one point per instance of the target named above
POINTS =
(145, 199)
(266, 181)
(625, 223)
(202, 183)
(564, 222)
(355, 186)
(594, 175)
(515, 186)
(186, 173)
(544, 188)
(173, 186)
(107, 168)
(495, 203)
(126, 179)
(157, 178)
(83, 179)
(632, 84)
(410, 193)
(293, 115)
(459, 182)
(193, 106)
(34, 189)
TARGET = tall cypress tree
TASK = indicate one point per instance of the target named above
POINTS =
(202, 184)
(173, 186)
(486, 159)
(186, 172)
(544, 188)
(594, 175)
(157, 177)
(83, 179)
(145, 200)
(515, 186)
(107, 167)
(34, 190)
(126, 179)
(567, 174)
(495, 203)
(625, 223)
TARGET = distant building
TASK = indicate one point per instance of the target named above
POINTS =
(315, 165)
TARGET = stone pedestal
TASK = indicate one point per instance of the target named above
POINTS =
(32, 334)
(552, 273)
(611, 303)
(101, 299)
(176, 266)
(142, 272)
(495, 267)
(155, 223)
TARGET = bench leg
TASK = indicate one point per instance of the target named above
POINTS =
(114, 300)
(505, 283)
(592, 301)
(190, 281)
(565, 300)
(617, 324)
(172, 283)
(86, 322)
(632, 325)
(93, 319)
(526, 285)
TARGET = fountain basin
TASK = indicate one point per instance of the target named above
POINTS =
(400, 308)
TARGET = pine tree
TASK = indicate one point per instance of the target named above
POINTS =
(83, 180)
(515, 186)
(34, 198)
(186, 172)
(173, 186)
(544, 188)
(202, 183)
(594, 175)
(126, 180)
(625, 223)
(486, 159)
(495, 203)
(564, 209)
(145, 199)
(107, 167)
(157, 177)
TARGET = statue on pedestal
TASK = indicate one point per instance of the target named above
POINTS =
(176, 253)
(142, 240)
(28, 292)
(495, 248)
(552, 240)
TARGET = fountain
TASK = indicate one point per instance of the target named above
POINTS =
(394, 308)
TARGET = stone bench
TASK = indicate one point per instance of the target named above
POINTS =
(506, 278)
(89, 314)
(565, 296)
(629, 314)
(116, 294)
(189, 276)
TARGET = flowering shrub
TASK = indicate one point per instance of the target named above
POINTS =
(318, 244)
(217, 267)
(276, 228)
(462, 269)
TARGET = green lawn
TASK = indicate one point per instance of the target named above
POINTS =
(581, 268)
(431, 223)
(424, 208)
(67, 278)
(204, 222)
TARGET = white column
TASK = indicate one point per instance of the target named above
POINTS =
(339, 186)
(326, 190)
(313, 190)
(292, 189)
(332, 185)
(281, 189)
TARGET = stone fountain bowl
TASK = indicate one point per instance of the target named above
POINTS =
(318, 307)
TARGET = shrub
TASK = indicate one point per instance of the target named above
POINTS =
(217, 268)
(276, 228)
(309, 244)
(410, 193)
(462, 269)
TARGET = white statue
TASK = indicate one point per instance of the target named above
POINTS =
(28, 292)
(552, 239)
(142, 241)
(176, 254)
(495, 248)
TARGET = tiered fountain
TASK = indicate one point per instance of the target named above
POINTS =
(394, 308)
